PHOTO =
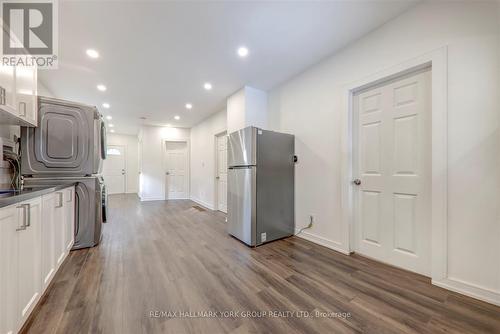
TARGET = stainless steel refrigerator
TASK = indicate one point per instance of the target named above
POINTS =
(69, 146)
(260, 185)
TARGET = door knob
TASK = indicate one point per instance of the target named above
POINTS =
(167, 173)
(217, 177)
(357, 182)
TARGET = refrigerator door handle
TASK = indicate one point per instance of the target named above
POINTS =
(242, 167)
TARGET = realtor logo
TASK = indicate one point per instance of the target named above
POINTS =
(29, 33)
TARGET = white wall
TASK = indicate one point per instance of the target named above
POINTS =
(247, 107)
(236, 111)
(256, 108)
(203, 158)
(131, 144)
(151, 142)
(310, 106)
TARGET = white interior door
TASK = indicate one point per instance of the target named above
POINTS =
(392, 150)
(114, 169)
(221, 178)
(176, 170)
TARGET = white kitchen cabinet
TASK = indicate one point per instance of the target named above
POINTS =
(69, 208)
(57, 231)
(34, 236)
(48, 264)
(26, 94)
(29, 257)
(20, 243)
(18, 94)
(59, 228)
(8, 89)
(8, 269)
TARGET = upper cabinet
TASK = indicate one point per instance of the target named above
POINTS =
(18, 93)
(18, 96)
(26, 94)
(8, 88)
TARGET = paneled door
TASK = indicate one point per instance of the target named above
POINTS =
(114, 169)
(221, 177)
(176, 162)
(391, 168)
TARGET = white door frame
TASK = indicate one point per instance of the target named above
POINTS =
(437, 59)
(164, 142)
(216, 183)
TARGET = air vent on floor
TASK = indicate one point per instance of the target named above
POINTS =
(199, 208)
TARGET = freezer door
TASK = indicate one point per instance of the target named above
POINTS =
(241, 205)
(242, 147)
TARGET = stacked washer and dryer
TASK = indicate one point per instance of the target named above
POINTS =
(69, 146)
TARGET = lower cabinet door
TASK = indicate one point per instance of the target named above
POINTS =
(28, 255)
(8, 269)
(29, 259)
(59, 228)
(69, 223)
(48, 240)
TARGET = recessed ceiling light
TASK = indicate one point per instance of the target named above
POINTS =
(242, 51)
(106, 105)
(207, 85)
(111, 125)
(92, 53)
(189, 106)
(177, 117)
(109, 117)
(112, 131)
(101, 87)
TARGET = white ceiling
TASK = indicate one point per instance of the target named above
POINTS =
(155, 56)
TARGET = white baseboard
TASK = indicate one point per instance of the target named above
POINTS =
(489, 296)
(147, 199)
(203, 203)
(336, 246)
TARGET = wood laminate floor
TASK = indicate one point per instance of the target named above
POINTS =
(171, 257)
